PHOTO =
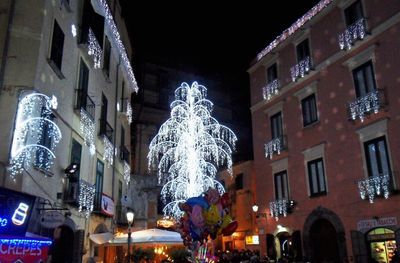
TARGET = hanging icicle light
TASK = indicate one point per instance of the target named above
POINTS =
(88, 128)
(127, 172)
(116, 39)
(374, 186)
(86, 198)
(352, 34)
(109, 151)
(273, 146)
(35, 135)
(299, 70)
(129, 115)
(278, 208)
(364, 105)
(271, 89)
(94, 49)
(188, 148)
(294, 27)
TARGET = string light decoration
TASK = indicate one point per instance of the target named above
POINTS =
(129, 114)
(109, 151)
(127, 172)
(188, 148)
(364, 105)
(351, 34)
(294, 27)
(301, 68)
(86, 198)
(275, 145)
(35, 134)
(116, 39)
(271, 89)
(374, 186)
(94, 49)
(88, 129)
(278, 208)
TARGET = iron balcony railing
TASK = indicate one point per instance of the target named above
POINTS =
(275, 146)
(83, 101)
(371, 187)
(271, 89)
(353, 33)
(372, 102)
(106, 129)
(300, 69)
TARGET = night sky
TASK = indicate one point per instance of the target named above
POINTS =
(212, 41)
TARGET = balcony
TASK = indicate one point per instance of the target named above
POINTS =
(353, 33)
(275, 146)
(79, 193)
(278, 208)
(124, 154)
(375, 186)
(370, 103)
(94, 49)
(271, 89)
(106, 129)
(83, 101)
(299, 70)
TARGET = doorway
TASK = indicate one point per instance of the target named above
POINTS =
(324, 242)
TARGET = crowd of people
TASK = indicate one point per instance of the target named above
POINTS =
(241, 256)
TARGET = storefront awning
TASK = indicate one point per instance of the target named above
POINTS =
(101, 238)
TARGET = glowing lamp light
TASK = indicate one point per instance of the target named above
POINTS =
(129, 217)
(73, 30)
(255, 208)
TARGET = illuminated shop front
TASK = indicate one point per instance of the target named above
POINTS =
(382, 244)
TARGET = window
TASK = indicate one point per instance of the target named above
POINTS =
(281, 185)
(122, 136)
(57, 45)
(83, 100)
(377, 157)
(353, 13)
(239, 182)
(76, 151)
(99, 183)
(316, 177)
(272, 73)
(364, 79)
(309, 108)
(302, 50)
(107, 54)
(72, 187)
(276, 126)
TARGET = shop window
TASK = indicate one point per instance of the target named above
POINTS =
(382, 245)
(316, 177)
(364, 79)
(281, 185)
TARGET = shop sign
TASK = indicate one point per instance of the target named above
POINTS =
(52, 219)
(364, 225)
(107, 205)
(15, 211)
(25, 250)
(252, 240)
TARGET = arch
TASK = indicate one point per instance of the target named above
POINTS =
(100, 228)
(324, 213)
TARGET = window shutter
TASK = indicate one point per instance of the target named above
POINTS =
(359, 246)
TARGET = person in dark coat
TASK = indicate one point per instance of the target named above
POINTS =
(61, 250)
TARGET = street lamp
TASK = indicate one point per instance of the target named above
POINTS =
(255, 208)
(129, 216)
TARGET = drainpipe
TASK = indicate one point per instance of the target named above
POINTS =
(6, 43)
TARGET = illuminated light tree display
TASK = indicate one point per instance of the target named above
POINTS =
(189, 147)
(35, 134)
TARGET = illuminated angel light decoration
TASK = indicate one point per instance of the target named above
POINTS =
(86, 198)
(352, 33)
(109, 151)
(127, 172)
(116, 38)
(188, 148)
(94, 49)
(294, 27)
(35, 135)
(374, 186)
(88, 128)
(129, 114)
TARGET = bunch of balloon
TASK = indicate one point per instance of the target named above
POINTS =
(205, 216)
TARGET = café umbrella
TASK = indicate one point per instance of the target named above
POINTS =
(150, 236)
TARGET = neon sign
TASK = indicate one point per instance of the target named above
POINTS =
(3, 222)
(20, 214)
(25, 249)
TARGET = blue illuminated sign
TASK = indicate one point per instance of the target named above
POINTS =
(15, 211)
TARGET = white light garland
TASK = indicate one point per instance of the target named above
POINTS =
(374, 186)
(352, 33)
(127, 172)
(112, 27)
(94, 49)
(129, 114)
(188, 148)
(364, 105)
(278, 207)
(300, 69)
(271, 89)
(33, 121)
(86, 197)
(88, 129)
(109, 151)
(275, 145)
(294, 27)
